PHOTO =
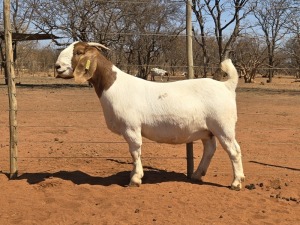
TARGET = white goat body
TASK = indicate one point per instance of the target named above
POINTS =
(158, 72)
(174, 113)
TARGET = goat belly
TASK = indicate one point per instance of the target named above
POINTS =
(171, 134)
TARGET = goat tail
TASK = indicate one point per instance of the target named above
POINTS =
(228, 67)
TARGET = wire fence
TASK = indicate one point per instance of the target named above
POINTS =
(47, 77)
(285, 58)
(43, 115)
(41, 110)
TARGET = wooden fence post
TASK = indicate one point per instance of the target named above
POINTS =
(11, 90)
(190, 73)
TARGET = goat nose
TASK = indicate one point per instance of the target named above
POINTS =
(57, 66)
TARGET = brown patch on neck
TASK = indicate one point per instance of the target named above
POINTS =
(103, 77)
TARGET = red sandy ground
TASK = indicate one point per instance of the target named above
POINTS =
(73, 170)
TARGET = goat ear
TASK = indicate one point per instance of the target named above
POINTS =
(85, 69)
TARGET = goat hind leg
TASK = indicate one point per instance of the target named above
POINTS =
(234, 151)
(209, 149)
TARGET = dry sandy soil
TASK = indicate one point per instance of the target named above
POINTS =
(73, 170)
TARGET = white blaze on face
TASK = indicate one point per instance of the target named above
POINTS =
(63, 64)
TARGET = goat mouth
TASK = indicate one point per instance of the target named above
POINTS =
(64, 72)
(60, 74)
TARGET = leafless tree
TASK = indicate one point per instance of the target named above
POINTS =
(21, 14)
(133, 30)
(224, 15)
(148, 25)
(249, 55)
(292, 49)
(72, 19)
(174, 53)
(272, 17)
(198, 10)
(292, 45)
(144, 34)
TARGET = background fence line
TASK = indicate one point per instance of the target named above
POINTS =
(41, 67)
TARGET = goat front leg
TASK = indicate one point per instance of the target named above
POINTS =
(209, 148)
(134, 140)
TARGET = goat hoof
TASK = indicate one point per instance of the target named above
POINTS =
(131, 184)
(135, 181)
(236, 188)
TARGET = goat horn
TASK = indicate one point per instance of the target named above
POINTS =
(98, 45)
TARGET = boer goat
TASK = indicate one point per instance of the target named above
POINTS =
(159, 72)
(175, 113)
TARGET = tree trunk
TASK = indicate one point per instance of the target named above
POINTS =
(270, 72)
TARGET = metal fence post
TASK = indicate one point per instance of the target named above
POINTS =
(190, 73)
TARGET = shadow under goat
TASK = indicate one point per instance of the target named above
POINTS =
(174, 113)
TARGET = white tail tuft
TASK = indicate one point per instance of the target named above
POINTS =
(229, 68)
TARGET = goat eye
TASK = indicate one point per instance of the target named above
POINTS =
(78, 53)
